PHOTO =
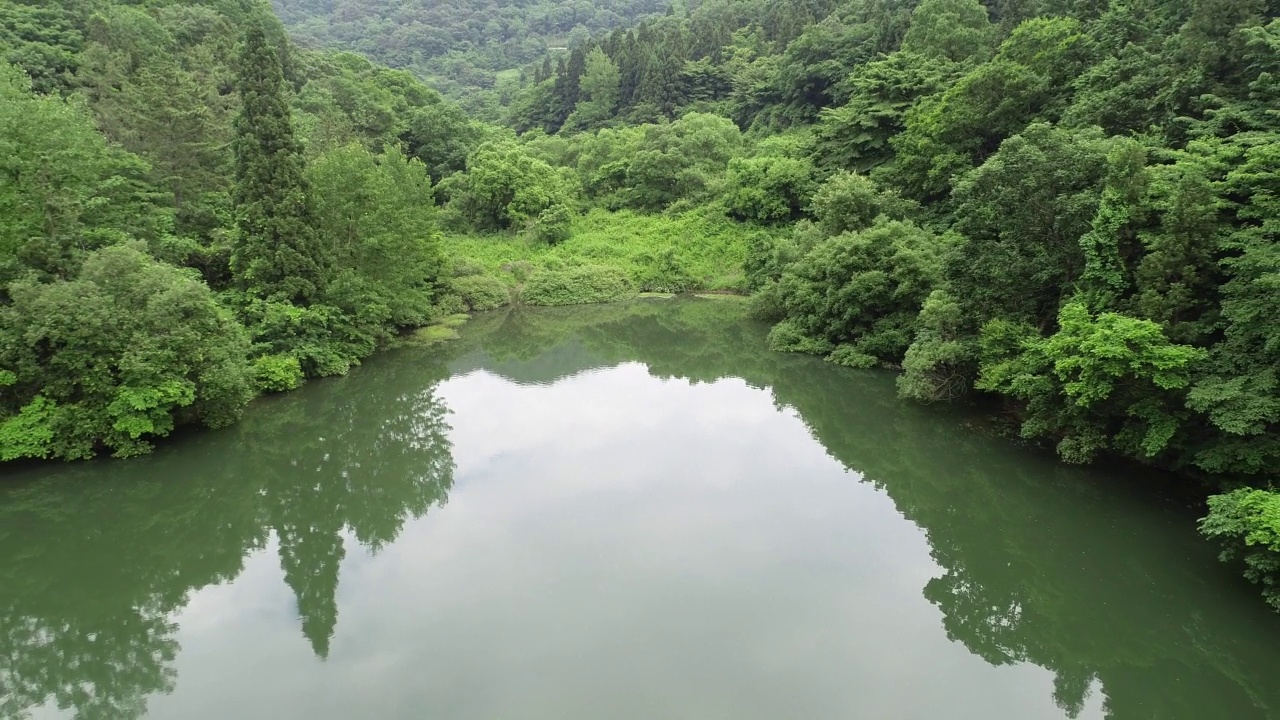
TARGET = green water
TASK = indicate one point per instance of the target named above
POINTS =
(629, 511)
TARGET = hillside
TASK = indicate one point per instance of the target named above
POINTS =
(461, 46)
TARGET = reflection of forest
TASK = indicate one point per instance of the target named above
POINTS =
(1078, 572)
(1039, 564)
(98, 558)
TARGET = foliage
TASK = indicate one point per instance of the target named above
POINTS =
(275, 174)
(953, 29)
(553, 224)
(1098, 383)
(768, 189)
(864, 289)
(576, 285)
(376, 219)
(463, 44)
(481, 292)
(846, 202)
(116, 358)
(1247, 524)
(941, 360)
(66, 191)
(276, 255)
(1021, 216)
(857, 134)
(697, 250)
(599, 92)
(1028, 80)
(787, 336)
(504, 187)
(277, 373)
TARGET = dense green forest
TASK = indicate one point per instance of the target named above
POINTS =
(1064, 208)
(462, 46)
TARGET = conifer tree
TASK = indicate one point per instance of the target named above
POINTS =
(276, 255)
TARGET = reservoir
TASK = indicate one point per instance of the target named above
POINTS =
(615, 512)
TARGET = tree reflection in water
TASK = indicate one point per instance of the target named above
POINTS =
(99, 558)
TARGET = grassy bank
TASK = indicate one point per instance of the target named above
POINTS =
(609, 256)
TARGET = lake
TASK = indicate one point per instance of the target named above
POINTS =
(614, 512)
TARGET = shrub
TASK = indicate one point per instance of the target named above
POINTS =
(577, 285)
(864, 288)
(481, 292)
(850, 356)
(768, 189)
(766, 303)
(277, 373)
(1247, 523)
(846, 201)
(941, 362)
(663, 272)
(116, 358)
(553, 225)
(787, 336)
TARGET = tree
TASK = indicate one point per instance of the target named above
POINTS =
(43, 41)
(846, 201)
(276, 254)
(856, 135)
(953, 29)
(859, 292)
(768, 189)
(1246, 522)
(65, 191)
(1022, 215)
(505, 188)
(1029, 79)
(115, 358)
(377, 217)
(441, 136)
(1100, 382)
(598, 95)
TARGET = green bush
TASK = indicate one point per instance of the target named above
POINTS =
(577, 285)
(1247, 523)
(705, 249)
(941, 362)
(851, 356)
(116, 358)
(553, 225)
(663, 272)
(766, 303)
(864, 288)
(768, 189)
(481, 292)
(277, 373)
(846, 202)
(787, 336)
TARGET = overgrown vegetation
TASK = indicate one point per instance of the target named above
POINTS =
(190, 215)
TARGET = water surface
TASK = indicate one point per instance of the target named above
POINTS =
(628, 511)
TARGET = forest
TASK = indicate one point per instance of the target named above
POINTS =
(1064, 210)
(462, 47)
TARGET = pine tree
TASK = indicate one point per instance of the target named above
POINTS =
(276, 255)
(660, 86)
(566, 89)
(630, 69)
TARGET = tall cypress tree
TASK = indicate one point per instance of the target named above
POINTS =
(567, 90)
(276, 255)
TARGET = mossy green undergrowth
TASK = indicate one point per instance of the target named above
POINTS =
(697, 250)
(444, 330)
